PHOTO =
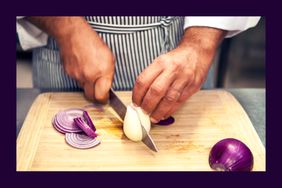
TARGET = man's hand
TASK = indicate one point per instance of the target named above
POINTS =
(173, 77)
(85, 56)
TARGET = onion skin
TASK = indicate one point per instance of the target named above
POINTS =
(231, 155)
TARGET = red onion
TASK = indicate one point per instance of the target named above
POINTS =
(63, 120)
(85, 127)
(72, 121)
(81, 141)
(166, 121)
(231, 155)
(88, 120)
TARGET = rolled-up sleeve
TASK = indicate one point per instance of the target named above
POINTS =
(29, 35)
(234, 25)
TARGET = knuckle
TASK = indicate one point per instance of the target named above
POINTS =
(140, 81)
(183, 97)
(176, 65)
(172, 96)
(156, 89)
(189, 73)
(89, 75)
(146, 106)
(161, 61)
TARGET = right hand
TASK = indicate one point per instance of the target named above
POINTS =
(87, 59)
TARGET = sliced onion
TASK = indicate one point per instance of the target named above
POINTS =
(88, 120)
(85, 127)
(81, 141)
(231, 155)
(167, 121)
(72, 121)
(63, 120)
(61, 130)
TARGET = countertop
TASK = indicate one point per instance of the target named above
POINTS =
(252, 100)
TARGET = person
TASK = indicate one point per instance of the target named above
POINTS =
(163, 59)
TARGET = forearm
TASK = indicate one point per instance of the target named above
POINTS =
(204, 38)
(59, 27)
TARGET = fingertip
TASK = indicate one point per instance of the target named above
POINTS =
(153, 120)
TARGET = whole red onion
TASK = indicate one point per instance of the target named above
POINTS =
(231, 155)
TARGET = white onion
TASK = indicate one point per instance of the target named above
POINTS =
(132, 123)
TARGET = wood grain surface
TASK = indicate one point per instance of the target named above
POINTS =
(204, 119)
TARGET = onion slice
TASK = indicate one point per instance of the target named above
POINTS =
(167, 121)
(231, 155)
(81, 141)
(85, 127)
(63, 120)
(88, 120)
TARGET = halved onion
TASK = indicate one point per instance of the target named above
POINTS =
(81, 141)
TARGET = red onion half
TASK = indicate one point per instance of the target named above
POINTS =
(167, 121)
(231, 155)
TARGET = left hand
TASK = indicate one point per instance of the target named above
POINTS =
(173, 77)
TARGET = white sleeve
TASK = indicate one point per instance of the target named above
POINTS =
(29, 35)
(233, 25)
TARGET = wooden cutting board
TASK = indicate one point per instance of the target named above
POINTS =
(206, 118)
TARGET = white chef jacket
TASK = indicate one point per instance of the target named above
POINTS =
(31, 36)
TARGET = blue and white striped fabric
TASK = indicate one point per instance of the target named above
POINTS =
(134, 41)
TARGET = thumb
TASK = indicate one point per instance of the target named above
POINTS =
(102, 88)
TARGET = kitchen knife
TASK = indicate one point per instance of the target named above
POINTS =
(147, 140)
(117, 104)
(120, 109)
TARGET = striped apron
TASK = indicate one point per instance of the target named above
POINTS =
(134, 41)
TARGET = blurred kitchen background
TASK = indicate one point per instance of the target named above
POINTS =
(240, 62)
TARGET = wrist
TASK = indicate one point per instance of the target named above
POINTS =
(204, 39)
(61, 28)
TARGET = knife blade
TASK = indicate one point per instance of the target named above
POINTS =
(147, 140)
(117, 104)
(120, 109)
